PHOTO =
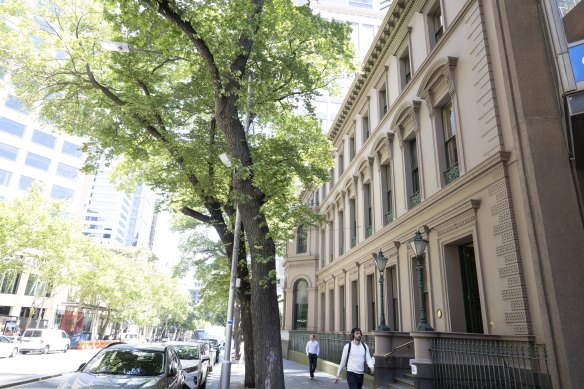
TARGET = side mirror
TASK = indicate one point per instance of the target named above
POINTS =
(172, 371)
(81, 366)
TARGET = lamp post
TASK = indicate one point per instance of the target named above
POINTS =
(419, 246)
(380, 262)
(225, 378)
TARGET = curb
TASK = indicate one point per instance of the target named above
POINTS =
(30, 380)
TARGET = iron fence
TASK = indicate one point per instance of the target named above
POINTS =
(492, 364)
(331, 345)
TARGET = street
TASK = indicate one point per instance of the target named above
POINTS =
(31, 366)
(28, 366)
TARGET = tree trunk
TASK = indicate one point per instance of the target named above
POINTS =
(264, 297)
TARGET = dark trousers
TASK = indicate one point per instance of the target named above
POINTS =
(355, 380)
(312, 363)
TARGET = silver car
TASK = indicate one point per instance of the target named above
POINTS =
(122, 365)
(194, 362)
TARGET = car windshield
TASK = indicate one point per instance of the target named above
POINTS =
(187, 352)
(128, 362)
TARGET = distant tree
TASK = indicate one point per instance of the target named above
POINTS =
(37, 239)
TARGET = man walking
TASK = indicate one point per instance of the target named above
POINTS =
(355, 356)
(312, 350)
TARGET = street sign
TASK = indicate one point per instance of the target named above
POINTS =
(577, 60)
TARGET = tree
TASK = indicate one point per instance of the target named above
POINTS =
(184, 96)
(37, 239)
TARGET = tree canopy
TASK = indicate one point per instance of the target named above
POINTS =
(196, 79)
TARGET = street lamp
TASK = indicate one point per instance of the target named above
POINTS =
(226, 364)
(380, 262)
(419, 246)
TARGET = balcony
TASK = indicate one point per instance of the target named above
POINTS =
(451, 174)
(415, 199)
(369, 231)
(387, 218)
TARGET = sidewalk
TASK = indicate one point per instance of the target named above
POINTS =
(296, 376)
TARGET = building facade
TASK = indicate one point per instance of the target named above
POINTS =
(464, 125)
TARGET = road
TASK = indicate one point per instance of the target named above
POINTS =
(31, 366)
(27, 366)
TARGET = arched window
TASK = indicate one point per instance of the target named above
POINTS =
(301, 238)
(300, 304)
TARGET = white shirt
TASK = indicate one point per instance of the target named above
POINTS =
(312, 347)
(357, 357)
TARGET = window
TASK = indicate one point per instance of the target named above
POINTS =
(361, 3)
(300, 313)
(13, 103)
(331, 241)
(405, 68)
(371, 297)
(341, 233)
(11, 127)
(351, 148)
(367, 210)
(25, 182)
(450, 150)
(436, 24)
(341, 164)
(67, 171)
(301, 238)
(37, 161)
(44, 139)
(9, 282)
(60, 193)
(365, 127)
(71, 149)
(5, 176)
(382, 98)
(36, 287)
(393, 298)
(353, 221)
(8, 152)
(387, 195)
(415, 196)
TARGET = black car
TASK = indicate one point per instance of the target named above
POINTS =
(129, 366)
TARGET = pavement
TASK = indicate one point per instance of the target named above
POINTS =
(296, 376)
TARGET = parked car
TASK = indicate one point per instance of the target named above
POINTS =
(74, 339)
(216, 346)
(208, 351)
(195, 365)
(129, 366)
(8, 347)
(44, 340)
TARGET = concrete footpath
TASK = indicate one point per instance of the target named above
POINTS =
(296, 376)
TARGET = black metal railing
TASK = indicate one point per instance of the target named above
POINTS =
(492, 364)
(331, 345)
(451, 174)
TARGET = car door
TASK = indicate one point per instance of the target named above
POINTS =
(174, 381)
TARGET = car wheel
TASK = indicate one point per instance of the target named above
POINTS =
(46, 349)
(14, 352)
(66, 348)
